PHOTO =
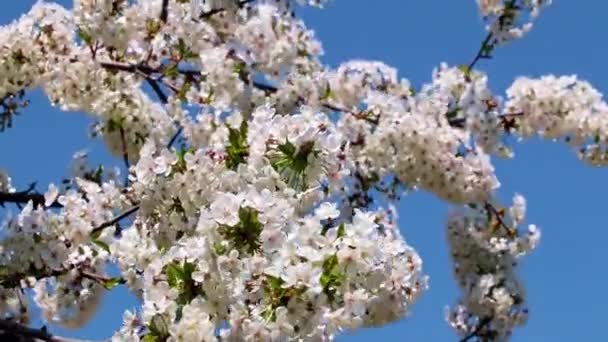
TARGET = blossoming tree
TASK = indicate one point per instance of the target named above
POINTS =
(247, 208)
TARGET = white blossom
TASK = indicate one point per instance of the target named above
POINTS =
(259, 185)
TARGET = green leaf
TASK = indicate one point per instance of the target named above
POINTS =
(95, 234)
(153, 27)
(291, 162)
(98, 175)
(184, 90)
(171, 71)
(180, 165)
(151, 338)
(303, 53)
(465, 69)
(219, 249)
(327, 94)
(158, 326)
(245, 235)
(287, 148)
(453, 113)
(174, 274)
(486, 49)
(184, 50)
(111, 283)
(101, 244)
(115, 124)
(274, 283)
(85, 36)
(341, 231)
(332, 277)
(180, 277)
(238, 149)
(240, 68)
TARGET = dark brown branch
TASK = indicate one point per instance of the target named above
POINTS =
(125, 155)
(483, 323)
(147, 73)
(481, 53)
(267, 88)
(504, 120)
(487, 44)
(23, 197)
(99, 278)
(174, 137)
(14, 331)
(14, 280)
(143, 70)
(499, 218)
(159, 92)
(213, 12)
(128, 67)
(115, 220)
(164, 13)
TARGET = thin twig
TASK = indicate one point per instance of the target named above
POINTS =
(482, 324)
(115, 220)
(125, 155)
(174, 137)
(212, 12)
(494, 212)
(481, 52)
(14, 280)
(23, 197)
(459, 122)
(159, 92)
(128, 67)
(19, 330)
(99, 278)
(164, 13)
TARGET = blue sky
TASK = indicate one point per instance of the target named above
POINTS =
(565, 277)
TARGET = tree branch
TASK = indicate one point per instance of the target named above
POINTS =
(494, 212)
(212, 12)
(115, 220)
(164, 13)
(505, 120)
(482, 324)
(125, 155)
(23, 197)
(13, 331)
(487, 45)
(14, 280)
(481, 53)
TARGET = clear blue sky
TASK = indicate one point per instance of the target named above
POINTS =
(566, 276)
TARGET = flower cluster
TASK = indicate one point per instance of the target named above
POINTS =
(486, 247)
(247, 210)
(509, 19)
(29, 45)
(5, 182)
(562, 108)
(57, 254)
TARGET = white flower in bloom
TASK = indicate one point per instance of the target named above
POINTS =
(225, 209)
(5, 182)
(260, 190)
(327, 211)
(518, 211)
(490, 7)
(51, 195)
